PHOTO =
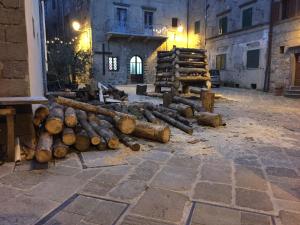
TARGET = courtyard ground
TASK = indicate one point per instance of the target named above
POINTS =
(247, 173)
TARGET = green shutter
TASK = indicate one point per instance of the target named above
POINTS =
(253, 59)
(247, 18)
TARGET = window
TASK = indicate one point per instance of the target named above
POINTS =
(113, 64)
(122, 17)
(53, 4)
(289, 8)
(136, 65)
(253, 59)
(221, 62)
(247, 18)
(174, 22)
(197, 27)
(148, 19)
(223, 22)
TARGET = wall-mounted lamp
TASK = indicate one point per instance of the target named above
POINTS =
(76, 25)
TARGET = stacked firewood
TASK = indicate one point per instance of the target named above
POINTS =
(181, 67)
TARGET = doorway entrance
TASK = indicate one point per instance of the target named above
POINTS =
(297, 70)
(136, 69)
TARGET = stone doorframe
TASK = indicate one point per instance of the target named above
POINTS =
(293, 51)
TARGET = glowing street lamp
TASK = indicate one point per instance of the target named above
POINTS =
(180, 29)
(76, 25)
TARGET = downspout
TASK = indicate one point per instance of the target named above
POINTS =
(269, 53)
(188, 23)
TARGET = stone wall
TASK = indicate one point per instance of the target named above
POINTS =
(13, 49)
(285, 35)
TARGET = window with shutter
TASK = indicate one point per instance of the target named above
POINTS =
(275, 12)
(221, 62)
(253, 59)
(247, 18)
(197, 27)
(223, 23)
(289, 8)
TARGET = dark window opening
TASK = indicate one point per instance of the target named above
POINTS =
(247, 18)
(221, 62)
(174, 22)
(253, 59)
(289, 8)
(223, 23)
(53, 4)
(282, 48)
(148, 19)
(197, 27)
(113, 64)
(122, 17)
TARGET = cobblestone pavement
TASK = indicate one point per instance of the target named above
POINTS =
(247, 173)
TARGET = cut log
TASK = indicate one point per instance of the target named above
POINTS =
(129, 142)
(60, 150)
(150, 117)
(174, 122)
(194, 105)
(151, 131)
(191, 70)
(154, 95)
(208, 101)
(66, 94)
(184, 110)
(110, 138)
(193, 78)
(189, 50)
(94, 137)
(70, 117)
(43, 152)
(82, 143)
(68, 136)
(100, 122)
(209, 119)
(55, 121)
(40, 115)
(124, 123)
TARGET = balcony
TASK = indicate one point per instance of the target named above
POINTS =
(130, 31)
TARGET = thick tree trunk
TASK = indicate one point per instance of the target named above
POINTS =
(43, 152)
(68, 136)
(70, 117)
(94, 137)
(151, 131)
(125, 123)
(82, 143)
(184, 110)
(208, 101)
(55, 121)
(174, 122)
(60, 150)
(40, 115)
(150, 117)
(194, 105)
(209, 119)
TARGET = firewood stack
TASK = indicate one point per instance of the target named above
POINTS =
(181, 67)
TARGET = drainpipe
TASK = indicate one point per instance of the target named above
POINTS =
(206, 15)
(188, 23)
(269, 51)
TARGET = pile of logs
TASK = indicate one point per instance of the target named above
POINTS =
(181, 67)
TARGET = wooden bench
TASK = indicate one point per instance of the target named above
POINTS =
(8, 110)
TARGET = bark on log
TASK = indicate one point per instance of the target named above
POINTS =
(55, 121)
(190, 79)
(68, 136)
(110, 138)
(43, 152)
(66, 94)
(209, 119)
(191, 70)
(40, 115)
(125, 123)
(174, 122)
(194, 105)
(60, 150)
(94, 137)
(82, 143)
(153, 132)
(150, 117)
(208, 101)
(183, 56)
(128, 141)
(70, 117)
(184, 110)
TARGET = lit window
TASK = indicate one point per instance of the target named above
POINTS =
(113, 64)
(136, 66)
(221, 62)
(197, 27)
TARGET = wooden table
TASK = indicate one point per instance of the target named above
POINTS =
(9, 112)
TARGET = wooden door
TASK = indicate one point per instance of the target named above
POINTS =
(297, 70)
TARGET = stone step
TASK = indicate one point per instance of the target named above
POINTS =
(292, 95)
(297, 88)
(292, 92)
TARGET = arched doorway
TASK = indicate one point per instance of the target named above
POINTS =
(136, 69)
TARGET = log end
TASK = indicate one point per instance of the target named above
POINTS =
(102, 146)
(54, 126)
(135, 147)
(126, 125)
(69, 139)
(60, 152)
(96, 140)
(113, 143)
(43, 156)
(165, 135)
(71, 122)
(82, 144)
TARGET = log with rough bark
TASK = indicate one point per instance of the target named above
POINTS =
(208, 101)
(152, 131)
(150, 117)
(190, 70)
(178, 51)
(40, 115)
(83, 120)
(129, 142)
(60, 150)
(180, 64)
(102, 146)
(184, 110)
(110, 138)
(43, 152)
(124, 122)
(174, 122)
(194, 105)
(68, 136)
(55, 121)
(70, 117)
(66, 94)
(209, 119)
(154, 95)
(82, 143)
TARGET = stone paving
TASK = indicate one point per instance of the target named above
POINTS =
(247, 173)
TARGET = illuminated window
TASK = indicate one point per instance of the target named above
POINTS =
(113, 64)
(136, 66)
(221, 62)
